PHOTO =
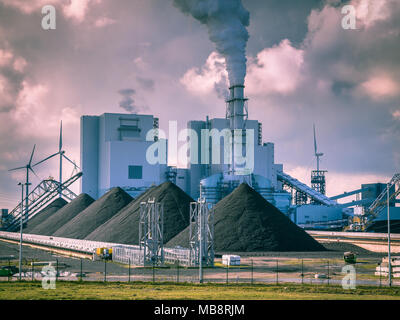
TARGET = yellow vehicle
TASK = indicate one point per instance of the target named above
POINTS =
(104, 253)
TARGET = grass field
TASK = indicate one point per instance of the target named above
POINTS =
(163, 291)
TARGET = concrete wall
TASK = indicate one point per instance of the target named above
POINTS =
(315, 213)
(89, 142)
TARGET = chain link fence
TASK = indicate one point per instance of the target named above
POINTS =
(252, 270)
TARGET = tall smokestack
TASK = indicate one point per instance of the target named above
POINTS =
(227, 22)
(236, 110)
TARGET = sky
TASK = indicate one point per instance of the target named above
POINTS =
(146, 56)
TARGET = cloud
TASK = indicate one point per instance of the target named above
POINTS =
(204, 80)
(103, 22)
(5, 57)
(73, 9)
(275, 70)
(19, 64)
(145, 83)
(380, 86)
(28, 7)
(370, 12)
(76, 9)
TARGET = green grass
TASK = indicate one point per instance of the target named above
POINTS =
(75, 290)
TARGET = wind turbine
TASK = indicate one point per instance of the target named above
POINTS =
(28, 167)
(317, 155)
(62, 155)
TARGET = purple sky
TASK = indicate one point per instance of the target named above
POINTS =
(148, 57)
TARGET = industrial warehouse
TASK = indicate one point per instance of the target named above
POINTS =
(210, 203)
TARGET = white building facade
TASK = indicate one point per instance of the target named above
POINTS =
(113, 154)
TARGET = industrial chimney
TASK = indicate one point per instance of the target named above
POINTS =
(237, 116)
(236, 107)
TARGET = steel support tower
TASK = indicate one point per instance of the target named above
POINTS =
(201, 233)
(151, 232)
(318, 181)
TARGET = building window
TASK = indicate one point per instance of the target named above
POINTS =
(135, 172)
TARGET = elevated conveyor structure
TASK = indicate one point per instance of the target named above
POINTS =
(304, 189)
(38, 198)
(381, 202)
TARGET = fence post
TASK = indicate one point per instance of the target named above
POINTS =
(56, 269)
(105, 270)
(277, 272)
(328, 273)
(9, 265)
(32, 270)
(302, 271)
(81, 276)
(154, 276)
(380, 275)
(227, 273)
(177, 271)
(252, 268)
(129, 271)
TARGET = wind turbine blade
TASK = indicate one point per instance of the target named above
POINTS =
(35, 173)
(315, 141)
(53, 155)
(60, 141)
(70, 161)
(19, 168)
(33, 151)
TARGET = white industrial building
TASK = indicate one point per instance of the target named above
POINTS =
(113, 154)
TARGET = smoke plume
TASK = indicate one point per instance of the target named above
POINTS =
(226, 21)
(127, 102)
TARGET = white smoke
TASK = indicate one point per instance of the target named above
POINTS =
(226, 21)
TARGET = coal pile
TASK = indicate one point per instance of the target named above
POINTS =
(245, 222)
(381, 226)
(124, 226)
(64, 215)
(95, 215)
(44, 214)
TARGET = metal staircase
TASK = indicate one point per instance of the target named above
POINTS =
(39, 197)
